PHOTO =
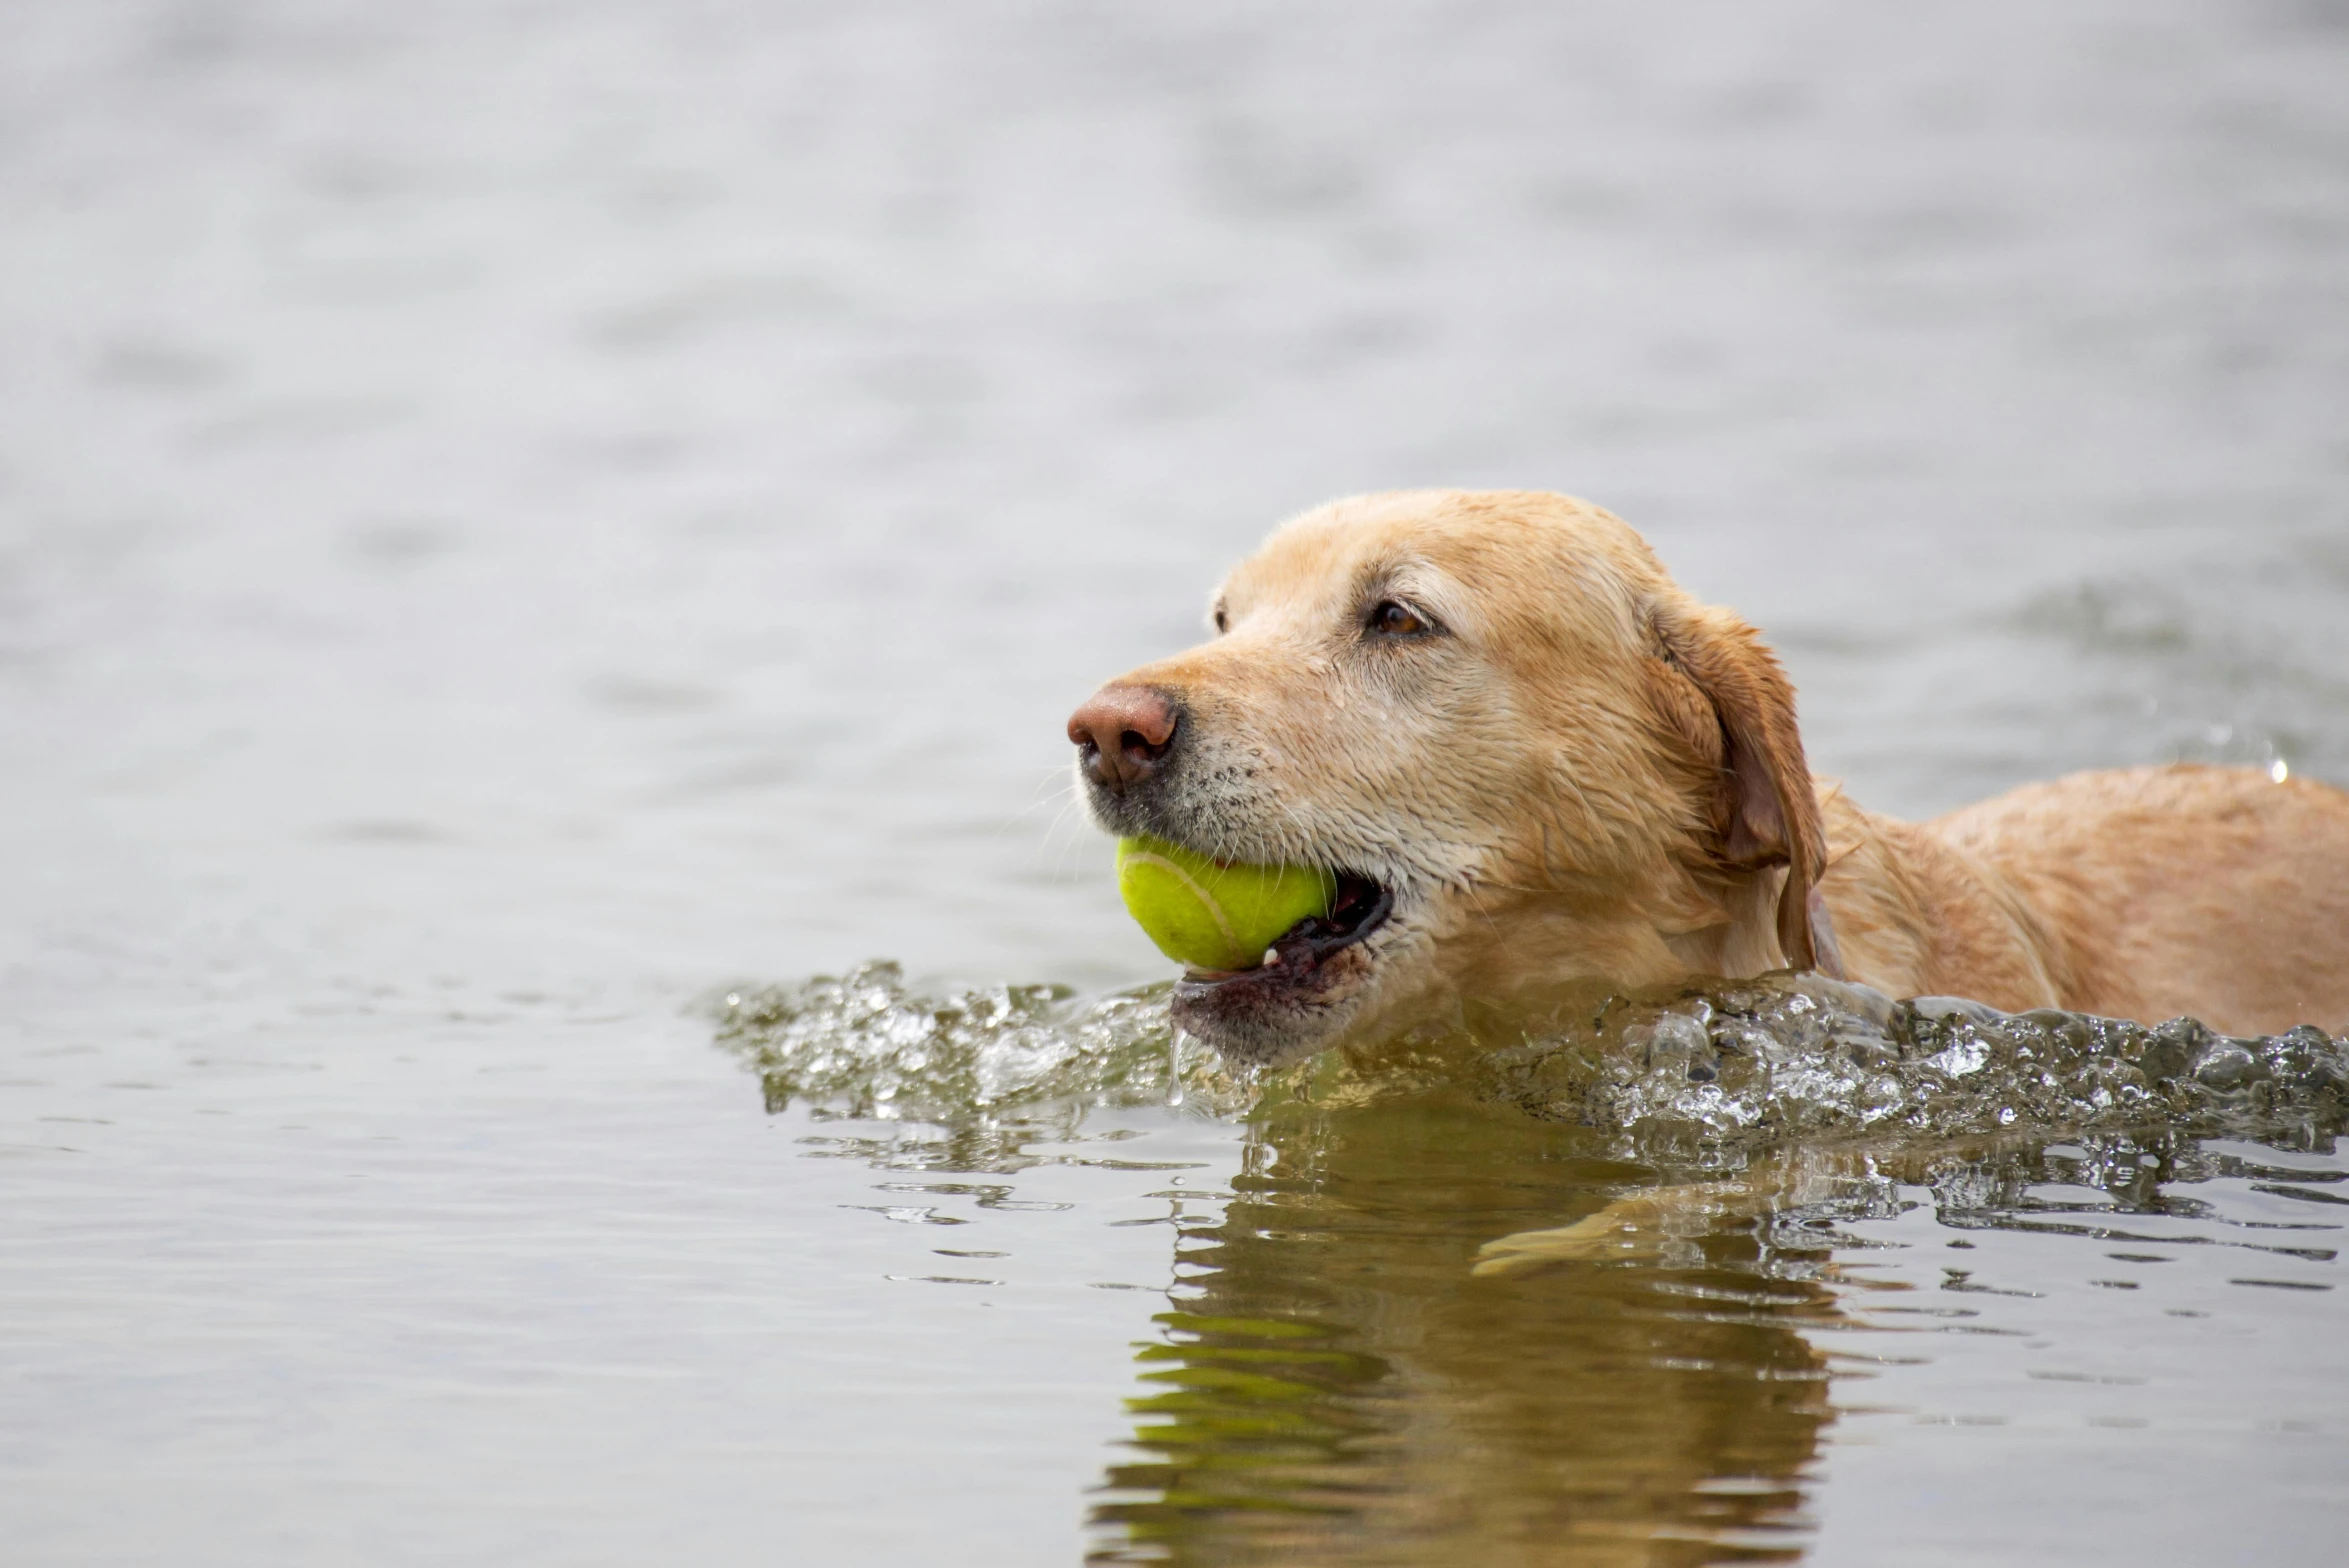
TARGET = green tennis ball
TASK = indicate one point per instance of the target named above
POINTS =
(1208, 915)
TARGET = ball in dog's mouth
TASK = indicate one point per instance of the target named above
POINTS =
(1259, 1014)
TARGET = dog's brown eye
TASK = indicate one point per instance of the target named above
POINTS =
(1396, 620)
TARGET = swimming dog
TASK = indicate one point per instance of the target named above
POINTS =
(1534, 762)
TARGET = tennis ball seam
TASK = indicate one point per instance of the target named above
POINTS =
(1207, 901)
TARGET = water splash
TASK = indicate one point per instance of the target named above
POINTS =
(1783, 1056)
(1722, 1065)
(865, 1046)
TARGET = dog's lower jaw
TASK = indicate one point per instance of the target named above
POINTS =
(1275, 1022)
(1255, 1044)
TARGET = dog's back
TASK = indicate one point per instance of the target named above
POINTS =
(1541, 764)
(2211, 892)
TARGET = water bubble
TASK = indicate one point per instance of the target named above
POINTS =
(1802, 1056)
(1717, 1065)
(866, 1045)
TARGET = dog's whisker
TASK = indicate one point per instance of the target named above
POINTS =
(1500, 713)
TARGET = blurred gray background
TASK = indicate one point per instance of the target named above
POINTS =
(645, 484)
(513, 514)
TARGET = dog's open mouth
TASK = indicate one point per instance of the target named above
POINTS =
(1360, 907)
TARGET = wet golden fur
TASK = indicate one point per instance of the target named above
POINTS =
(1589, 775)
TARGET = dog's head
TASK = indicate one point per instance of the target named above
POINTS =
(1532, 760)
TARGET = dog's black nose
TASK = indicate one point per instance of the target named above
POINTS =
(1123, 734)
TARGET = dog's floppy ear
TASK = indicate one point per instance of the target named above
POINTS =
(1740, 718)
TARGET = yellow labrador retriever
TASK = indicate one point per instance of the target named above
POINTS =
(1535, 762)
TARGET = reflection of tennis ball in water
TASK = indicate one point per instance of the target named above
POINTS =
(1209, 915)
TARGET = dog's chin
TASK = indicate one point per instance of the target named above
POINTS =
(1315, 989)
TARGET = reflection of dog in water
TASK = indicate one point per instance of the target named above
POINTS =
(1657, 1222)
(1534, 761)
(1336, 1386)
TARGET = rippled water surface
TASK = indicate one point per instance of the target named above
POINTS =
(526, 533)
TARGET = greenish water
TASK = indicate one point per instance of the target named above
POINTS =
(1615, 1290)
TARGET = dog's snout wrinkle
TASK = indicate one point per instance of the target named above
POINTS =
(1567, 773)
(1124, 733)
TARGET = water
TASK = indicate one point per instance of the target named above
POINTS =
(513, 521)
(1633, 1289)
(1708, 1070)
